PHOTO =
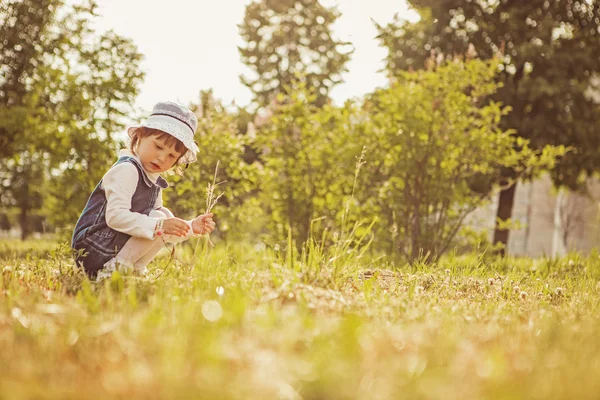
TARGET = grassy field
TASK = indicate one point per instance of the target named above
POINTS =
(238, 322)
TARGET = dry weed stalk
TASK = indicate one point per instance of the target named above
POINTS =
(211, 199)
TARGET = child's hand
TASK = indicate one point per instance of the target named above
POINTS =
(175, 226)
(203, 224)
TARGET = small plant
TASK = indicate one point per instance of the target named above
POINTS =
(336, 261)
(211, 201)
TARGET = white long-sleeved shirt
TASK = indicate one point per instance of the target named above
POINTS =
(119, 184)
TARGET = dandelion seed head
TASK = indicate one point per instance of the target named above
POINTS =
(523, 295)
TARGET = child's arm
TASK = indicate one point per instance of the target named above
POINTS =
(119, 184)
(200, 225)
(203, 224)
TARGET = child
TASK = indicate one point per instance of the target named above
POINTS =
(124, 222)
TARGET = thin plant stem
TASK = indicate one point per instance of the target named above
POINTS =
(211, 201)
(171, 257)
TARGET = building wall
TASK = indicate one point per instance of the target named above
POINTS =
(584, 212)
(544, 216)
(537, 202)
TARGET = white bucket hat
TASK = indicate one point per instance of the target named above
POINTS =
(176, 120)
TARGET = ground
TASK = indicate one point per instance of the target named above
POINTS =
(238, 322)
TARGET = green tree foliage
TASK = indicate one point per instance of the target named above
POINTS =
(309, 159)
(23, 175)
(431, 140)
(22, 23)
(71, 94)
(98, 102)
(433, 151)
(288, 39)
(549, 51)
(237, 212)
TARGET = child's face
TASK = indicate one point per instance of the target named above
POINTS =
(155, 155)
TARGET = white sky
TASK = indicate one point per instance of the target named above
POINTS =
(191, 45)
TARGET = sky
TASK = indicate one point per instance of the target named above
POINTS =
(191, 45)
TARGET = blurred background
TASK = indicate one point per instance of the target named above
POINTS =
(427, 126)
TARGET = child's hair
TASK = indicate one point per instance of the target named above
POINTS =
(169, 140)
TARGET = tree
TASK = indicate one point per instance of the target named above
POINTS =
(22, 23)
(36, 133)
(549, 51)
(288, 40)
(309, 158)
(69, 100)
(430, 141)
(95, 103)
(4, 222)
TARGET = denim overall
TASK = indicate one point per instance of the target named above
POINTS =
(100, 242)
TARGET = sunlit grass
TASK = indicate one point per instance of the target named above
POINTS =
(238, 322)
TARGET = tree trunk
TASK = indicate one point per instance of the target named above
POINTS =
(505, 206)
(415, 240)
(23, 219)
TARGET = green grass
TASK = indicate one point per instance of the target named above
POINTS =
(237, 322)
